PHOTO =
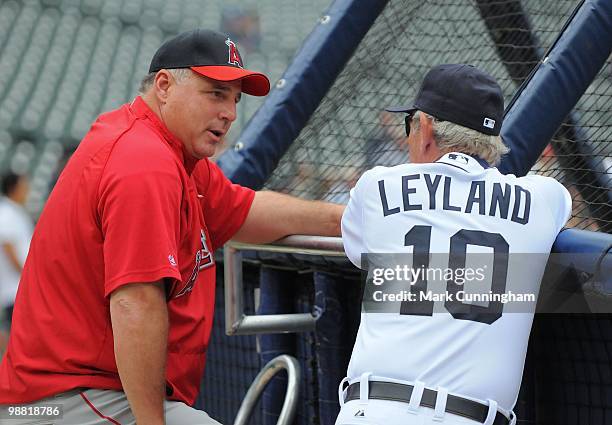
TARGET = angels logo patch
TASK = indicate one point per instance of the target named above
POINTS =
(233, 55)
(203, 260)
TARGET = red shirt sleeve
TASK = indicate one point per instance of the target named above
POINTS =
(139, 209)
(225, 205)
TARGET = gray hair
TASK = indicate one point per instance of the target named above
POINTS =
(179, 75)
(452, 137)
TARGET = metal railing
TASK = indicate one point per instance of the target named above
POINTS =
(236, 321)
(282, 362)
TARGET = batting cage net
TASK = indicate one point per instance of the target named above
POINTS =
(580, 156)
(350, 132)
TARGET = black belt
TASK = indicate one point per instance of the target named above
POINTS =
(400, 392)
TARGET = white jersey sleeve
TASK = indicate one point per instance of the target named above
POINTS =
(7, 228)
(15, 229)
(558, 197)
(352, 224)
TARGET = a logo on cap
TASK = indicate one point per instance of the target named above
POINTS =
(489, 123)
(233, 55)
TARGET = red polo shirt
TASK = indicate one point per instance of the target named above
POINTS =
(130, 206)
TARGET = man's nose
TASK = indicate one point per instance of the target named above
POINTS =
(229, 112)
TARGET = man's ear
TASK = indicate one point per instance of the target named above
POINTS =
(426, 125)
(429, 147)
(162, 83)
(426, 132)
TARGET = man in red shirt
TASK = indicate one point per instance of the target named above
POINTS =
(116, 300)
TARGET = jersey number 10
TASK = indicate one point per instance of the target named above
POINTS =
(420, 238)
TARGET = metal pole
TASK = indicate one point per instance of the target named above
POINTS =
(238, 323)
(260, 382)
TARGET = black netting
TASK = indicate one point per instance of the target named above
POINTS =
(572, 373)
(580, 156)
(349, 133)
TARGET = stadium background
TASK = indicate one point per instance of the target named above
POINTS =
(63, 62)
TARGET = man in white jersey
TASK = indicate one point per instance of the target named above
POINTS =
(447, 361)
(16, 229)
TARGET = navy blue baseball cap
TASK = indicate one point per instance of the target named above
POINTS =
(211, 54)
(462, 94)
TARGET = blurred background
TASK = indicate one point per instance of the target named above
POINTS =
(63, 62)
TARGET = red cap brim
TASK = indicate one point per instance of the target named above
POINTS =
(253, 83)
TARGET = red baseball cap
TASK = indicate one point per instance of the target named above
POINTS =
(211, 54)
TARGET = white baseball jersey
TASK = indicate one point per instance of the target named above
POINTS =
(15, 229)
(455, 203)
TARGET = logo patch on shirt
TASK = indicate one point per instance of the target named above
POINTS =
(459, 158)
(203, 260)
(360, 413)
(172, 260)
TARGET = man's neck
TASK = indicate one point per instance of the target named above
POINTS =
(151, 101)
(15, 200)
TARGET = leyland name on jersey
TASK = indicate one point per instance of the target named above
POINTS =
(429, 207)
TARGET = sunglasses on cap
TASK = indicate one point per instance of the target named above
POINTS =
(407, 120)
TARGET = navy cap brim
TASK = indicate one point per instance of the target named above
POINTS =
(404, 109)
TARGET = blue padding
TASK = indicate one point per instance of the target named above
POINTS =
(331, 354)
(275, 297)
(288, 108)
(338, 304)
(588, 252)
(557, 85)
(575, 241)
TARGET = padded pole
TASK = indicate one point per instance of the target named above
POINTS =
(278, 122)
(545, 102)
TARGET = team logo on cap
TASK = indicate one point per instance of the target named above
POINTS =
(233, 55)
